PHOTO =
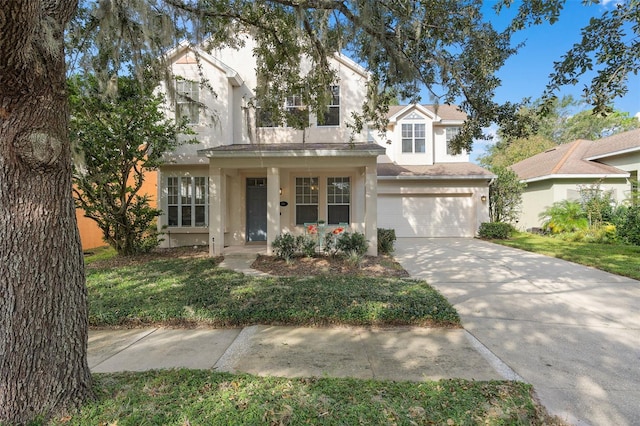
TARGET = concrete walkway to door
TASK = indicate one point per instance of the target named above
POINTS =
(571, 331)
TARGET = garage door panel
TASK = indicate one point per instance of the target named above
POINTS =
(426, 216)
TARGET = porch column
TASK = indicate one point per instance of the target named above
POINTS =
(216, 213)
(273, 206)
(371, 208)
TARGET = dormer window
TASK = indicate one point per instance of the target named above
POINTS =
(451, 132)
(413, 138)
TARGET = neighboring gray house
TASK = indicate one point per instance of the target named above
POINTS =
(558, 173)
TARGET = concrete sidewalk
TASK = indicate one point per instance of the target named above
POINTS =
(406, 353)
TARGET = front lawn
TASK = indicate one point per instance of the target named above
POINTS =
(197, 397)
(615, 258)
(186, 291)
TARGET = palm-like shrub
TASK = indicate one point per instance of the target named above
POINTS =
(564, 216)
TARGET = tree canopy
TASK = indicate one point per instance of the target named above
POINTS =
(445, 46)
(119, 138)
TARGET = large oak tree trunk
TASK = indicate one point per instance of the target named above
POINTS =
(43, 306)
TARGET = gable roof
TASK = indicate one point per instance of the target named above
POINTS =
(438, 112)
(575, 160)
(617, 144)
(184, 48)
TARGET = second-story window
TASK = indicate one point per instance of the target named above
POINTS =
(297, 112)
(413, 138)
(187, 100)
(451, 132)
(264, 117)
(332, 113)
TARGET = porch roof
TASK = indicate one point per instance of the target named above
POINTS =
(294, 150)
(390, 171)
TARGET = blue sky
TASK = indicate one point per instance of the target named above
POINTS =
(526, 73)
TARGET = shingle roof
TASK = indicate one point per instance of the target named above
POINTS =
(615, 144)
(445, 112)
(574, 159)
(276, 149)
(436, 171)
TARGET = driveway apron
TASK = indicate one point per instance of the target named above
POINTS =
(571, 331)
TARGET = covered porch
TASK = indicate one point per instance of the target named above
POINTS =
(258, 192)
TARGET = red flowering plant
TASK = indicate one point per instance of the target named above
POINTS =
(312, 229)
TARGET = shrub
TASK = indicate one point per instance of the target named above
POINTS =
(285, 246)
(386, 240)
(495, 230)
(572, 237)
(355, 242)
(306, 245)
(629, 225)
(330, 244)
(564, 216)
(606, 233)
(354, 258)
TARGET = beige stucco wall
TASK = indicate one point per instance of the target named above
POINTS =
(440, 147)
(536, 197)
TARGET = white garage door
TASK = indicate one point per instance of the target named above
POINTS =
(427, 215)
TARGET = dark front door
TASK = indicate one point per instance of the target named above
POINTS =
(256, 209)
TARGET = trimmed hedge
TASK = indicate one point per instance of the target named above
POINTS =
(495, 230)
(386, 240)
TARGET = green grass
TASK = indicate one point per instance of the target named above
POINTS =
(195, 291)
(197, 397)
(99, 254)
(615, 258)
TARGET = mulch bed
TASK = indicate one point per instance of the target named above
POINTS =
(371, 266)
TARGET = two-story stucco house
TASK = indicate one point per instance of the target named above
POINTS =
(247, 181)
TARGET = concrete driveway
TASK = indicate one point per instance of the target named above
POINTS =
(571, 331)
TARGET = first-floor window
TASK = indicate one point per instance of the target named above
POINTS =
(306, 200)
(338, 200)
(187, 201)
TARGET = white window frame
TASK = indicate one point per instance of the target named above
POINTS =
(188, 100)
(187, 193)
(294, 106)
(264, 121)
(450, 133)
(334, 104)
(307, 193)
(413, 137)
(338, 195)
